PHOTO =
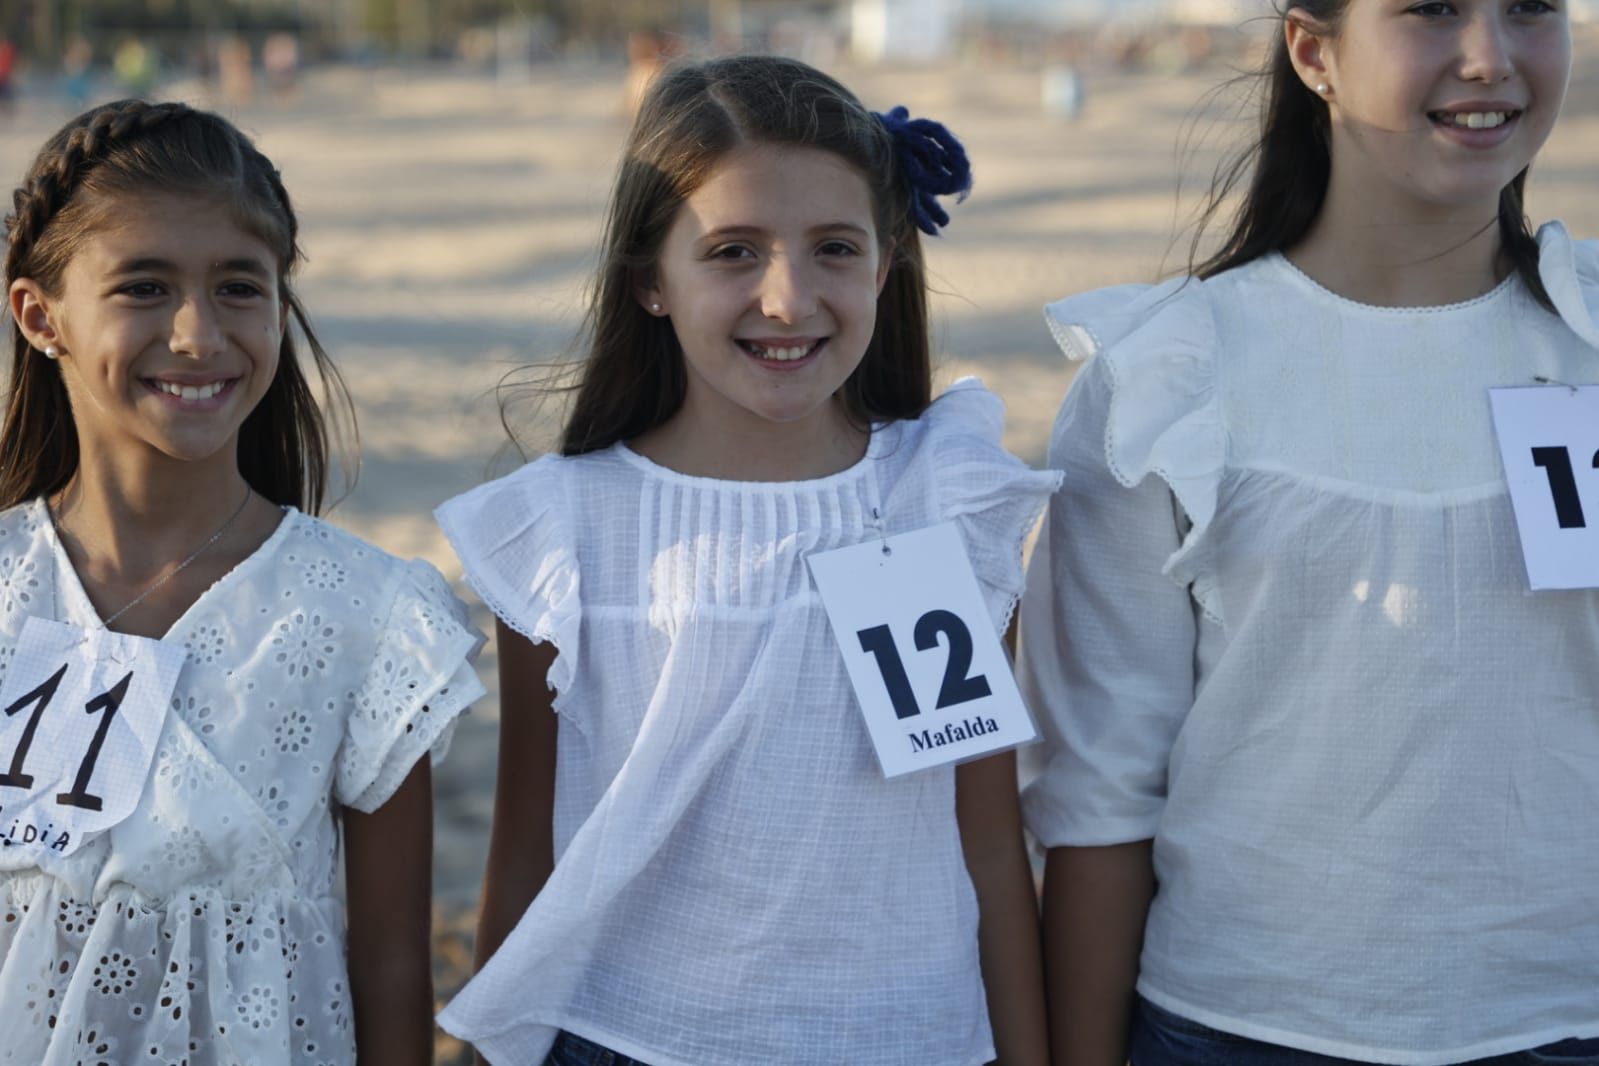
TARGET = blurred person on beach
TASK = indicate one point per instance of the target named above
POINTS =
(136, 66)
(167, 887)
(1323, 770)
(280, 58)
(77, 72)
(696, 859)
(648, 53)
(8, 75)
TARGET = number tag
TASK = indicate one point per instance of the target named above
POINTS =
(80, 713)
(928, 669)
(1549, 439)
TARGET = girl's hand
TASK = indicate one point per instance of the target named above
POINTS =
(996, 859)
(389, 868)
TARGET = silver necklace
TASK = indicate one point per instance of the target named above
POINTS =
(170, 574)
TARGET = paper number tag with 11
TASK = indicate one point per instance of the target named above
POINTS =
(82, 712)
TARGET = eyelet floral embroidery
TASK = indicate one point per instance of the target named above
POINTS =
(199, 715)
(324, 574)
(206, 643)
(219, 929)
(19, 582)
(293, 732)
(305, 643)
(114, 974)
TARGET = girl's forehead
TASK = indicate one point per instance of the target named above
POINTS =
(768, 178)
(184, 226)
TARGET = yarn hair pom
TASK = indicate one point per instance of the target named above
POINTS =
(934, 162)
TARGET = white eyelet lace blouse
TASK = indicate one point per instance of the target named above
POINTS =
(736, 883)
(203, 930)
(1279, 623)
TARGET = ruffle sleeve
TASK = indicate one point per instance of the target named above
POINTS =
(992, 496)
(1569, 270)
(1157, 344)
(518, 555)
(420, 679)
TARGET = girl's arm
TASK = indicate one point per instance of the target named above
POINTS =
(996, 858)
(1095, 904)
(389, 878)
(522, 842)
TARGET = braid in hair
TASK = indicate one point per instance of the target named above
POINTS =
(64, 162)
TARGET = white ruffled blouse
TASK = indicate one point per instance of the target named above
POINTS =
(203, 930)
(1279, 622)
(737, 882)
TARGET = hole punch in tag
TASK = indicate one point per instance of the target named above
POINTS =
(929, 672)
(81, 712)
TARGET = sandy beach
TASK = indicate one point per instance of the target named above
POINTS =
(451, 221)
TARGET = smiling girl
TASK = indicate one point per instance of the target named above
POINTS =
(1324, 771)
(167, 883)
(700, 856)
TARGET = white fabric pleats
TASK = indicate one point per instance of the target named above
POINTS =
(736, 881)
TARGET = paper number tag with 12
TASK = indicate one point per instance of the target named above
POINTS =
(891, 612)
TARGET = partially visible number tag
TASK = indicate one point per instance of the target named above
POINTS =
(927, 667)
(1549, 440)
(81, 711)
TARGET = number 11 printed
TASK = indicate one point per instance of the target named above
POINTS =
(108, 701)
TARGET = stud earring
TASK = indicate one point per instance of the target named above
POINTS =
(655, 308)
(1322, 88)
(50, 352)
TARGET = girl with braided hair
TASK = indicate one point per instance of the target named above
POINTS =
(201, 682)
(696, 859)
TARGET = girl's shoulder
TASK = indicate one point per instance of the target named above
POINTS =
(1569, 270)
(330, 558)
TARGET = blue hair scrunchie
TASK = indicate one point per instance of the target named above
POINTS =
(935, 164)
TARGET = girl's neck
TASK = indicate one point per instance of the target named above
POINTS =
(150, 536)
(1390, 254)
(755, 449)
(137, 511)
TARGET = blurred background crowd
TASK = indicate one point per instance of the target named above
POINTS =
(450, 161)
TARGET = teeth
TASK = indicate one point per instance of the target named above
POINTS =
(190, 392)
(781, 355)
(1477, 120)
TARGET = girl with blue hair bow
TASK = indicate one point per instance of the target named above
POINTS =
(696, 858)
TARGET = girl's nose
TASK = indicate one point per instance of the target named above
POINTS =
(787, 293)
(1485, 49)
(197, 329)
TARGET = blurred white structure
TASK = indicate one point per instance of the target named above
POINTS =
(903, 29)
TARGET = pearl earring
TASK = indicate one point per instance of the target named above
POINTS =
(1322, 88)
(50, 352)
(656, 308)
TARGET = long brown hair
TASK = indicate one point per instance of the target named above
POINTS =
(98, 160)
(1287, 167)
(633, 377)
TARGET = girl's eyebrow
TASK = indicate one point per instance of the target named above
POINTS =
(723, 232)
(156, 265)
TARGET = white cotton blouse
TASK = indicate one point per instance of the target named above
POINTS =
(736, 881)
(1280, 623)
(204, 929)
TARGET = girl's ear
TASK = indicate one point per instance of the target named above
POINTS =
(30, 310)
(647, 291)
(1309, 50)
